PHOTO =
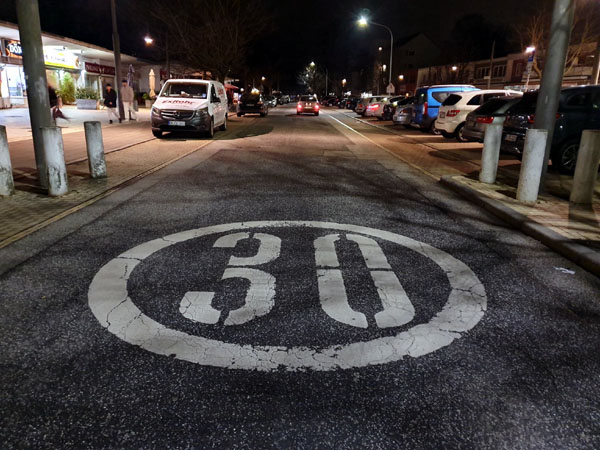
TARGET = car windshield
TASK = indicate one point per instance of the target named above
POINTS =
(184, 90)
(250, 98)
(308, 98)
(494, 105)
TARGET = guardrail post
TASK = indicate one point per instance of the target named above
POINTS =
(7, 185)
(95, 149)
(491, 153)
(532, 165)
(55, 161)
(586, 170)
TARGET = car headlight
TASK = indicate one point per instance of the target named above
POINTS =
(201, 112)
(155, 111)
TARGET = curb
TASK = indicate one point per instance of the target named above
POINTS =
(583, 256)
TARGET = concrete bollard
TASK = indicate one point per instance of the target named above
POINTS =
(534, 159)
(55, 161)
(7, 185)
(95, 149)
(491, 153)
(586, 170)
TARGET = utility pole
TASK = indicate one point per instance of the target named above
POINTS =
(117, 51)
(554, 68)
(30, 34)
(491, 65)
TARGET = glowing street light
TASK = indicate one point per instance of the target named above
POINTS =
(344, 82)
(148, 40)
(454, 68)
(380, 48)
(363, 22)
(263, 78)
(401, 77)
(312, 64)
(529, 50)
(384, 67)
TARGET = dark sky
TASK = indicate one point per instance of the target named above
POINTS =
(321, 30)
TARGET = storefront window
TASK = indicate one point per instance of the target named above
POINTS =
(15, 80)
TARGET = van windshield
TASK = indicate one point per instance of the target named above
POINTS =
(182, 90)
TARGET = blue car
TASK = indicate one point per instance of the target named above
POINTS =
(428, 100)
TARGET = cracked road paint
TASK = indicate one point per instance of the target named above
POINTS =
(110, 303)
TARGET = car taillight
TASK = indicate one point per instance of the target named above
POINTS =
(531, 118)
(425, 108)
(260, 103)
(317, 106)
(299, 105)
(485, 119)
(453, 113)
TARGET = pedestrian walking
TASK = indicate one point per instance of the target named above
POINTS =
(128, 96)
(110, 101)
(54, 105)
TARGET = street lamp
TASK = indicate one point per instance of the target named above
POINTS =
(312, 64)
(531, 52)
(454, 68)
(263, 78)
(401, 77)
(148, 40)
(363, 22)
(380, 48)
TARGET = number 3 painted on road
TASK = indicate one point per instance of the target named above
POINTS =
(196, 306)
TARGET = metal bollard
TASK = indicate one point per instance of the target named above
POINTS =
(7, 185)
(55, 161)
(491, 153)
(95, 149)
(586, 170)
(534, 159)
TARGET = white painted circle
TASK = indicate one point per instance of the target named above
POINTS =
(109, 301)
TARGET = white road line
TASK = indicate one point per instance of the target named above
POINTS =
(371, 251)
(334, 300)
(397, 308)
(269, 249)
(196, 306)
(259, 298)
(325, 254)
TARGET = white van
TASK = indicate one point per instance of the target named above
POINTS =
(190, 105)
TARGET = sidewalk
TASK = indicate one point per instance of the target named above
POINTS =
(569, 229)
(18, 127)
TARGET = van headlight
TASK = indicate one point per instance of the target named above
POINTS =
(155, 111)
(201, 112)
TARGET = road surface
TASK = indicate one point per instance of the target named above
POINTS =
(293, 285)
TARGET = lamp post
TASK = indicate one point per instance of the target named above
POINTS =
(363, 22)
(149, 40)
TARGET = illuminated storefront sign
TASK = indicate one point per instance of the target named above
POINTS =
(99, 69)
(13, 48)
(60, 58)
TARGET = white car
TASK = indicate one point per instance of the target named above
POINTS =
(375, 106)
(190, 105)
(452, 115)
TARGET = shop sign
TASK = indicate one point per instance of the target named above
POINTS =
(99, 69)
(60, 58)
(13, 48)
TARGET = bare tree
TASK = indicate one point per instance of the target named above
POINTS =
(535, 31)
(214, 35)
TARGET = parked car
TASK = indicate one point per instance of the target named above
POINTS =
(271, 101)
(308, 104)
(284, 99)
(404, 113)
(578, 110)
(350, 103)
(363, 104)
(389, 109)
(190, 105)
(428, 100)
(375, 107)
(492, 111)
(452, 115)
(252, 103)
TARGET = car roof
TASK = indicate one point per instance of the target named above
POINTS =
(446, 86)
(189, 80)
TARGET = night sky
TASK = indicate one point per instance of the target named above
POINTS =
(323, 31)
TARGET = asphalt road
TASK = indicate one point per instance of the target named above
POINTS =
(292, 285)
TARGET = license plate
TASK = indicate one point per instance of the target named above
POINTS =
(470, 123)
(177, 123)
(442, 115)
(250, 104)
(511, 138)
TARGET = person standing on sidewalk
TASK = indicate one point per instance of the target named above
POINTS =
(128, 96)
(110, 101)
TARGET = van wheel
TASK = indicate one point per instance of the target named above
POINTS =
(224, 126)
(211, 129)
(459, 133)
(565, 158)
(157, 134)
